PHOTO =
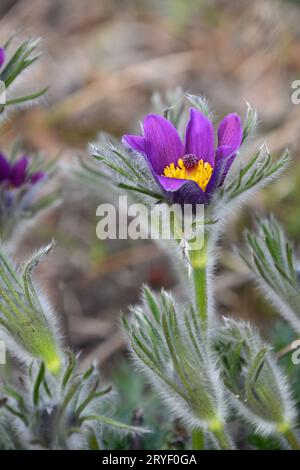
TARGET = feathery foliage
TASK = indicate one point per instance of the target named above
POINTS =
(258, 389)
(170, 346)
(69, 411)
(272, 261)
(25, 315)
(19, 60)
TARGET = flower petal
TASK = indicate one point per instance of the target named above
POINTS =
(36, 177)
(182, 191)
(225, 156)
(18, 172)
(230, 131)
(4, 167)
(134, 142)
(2, 56)
(163, 144)
(199, 137)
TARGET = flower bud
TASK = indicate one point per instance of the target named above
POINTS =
(168, 343)
(25, 316)
(258, 389)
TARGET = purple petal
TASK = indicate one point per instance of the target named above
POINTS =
(182, 191)
(2, 56)
(36, 177)
(4, 167)
(170, 184)
(135, 142)
(230, 131)
(225, 156)
(163, 144)
(199, 137)
(18, 172)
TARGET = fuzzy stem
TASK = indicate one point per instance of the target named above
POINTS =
(292, 439)
(198, 259)
(222, 439)
(200, 293)
(197, 440)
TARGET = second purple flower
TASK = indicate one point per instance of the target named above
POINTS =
(16, 174)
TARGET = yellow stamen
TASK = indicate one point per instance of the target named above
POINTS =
(200, 173)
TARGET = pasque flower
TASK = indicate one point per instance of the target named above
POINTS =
(188, 172)
(16, 174)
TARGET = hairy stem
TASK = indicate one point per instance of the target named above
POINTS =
(197, 440)
(222, 439)
(200, 293)
(198, 259)
(292, 439)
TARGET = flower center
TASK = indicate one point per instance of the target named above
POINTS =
(189, 160)
(190, 168)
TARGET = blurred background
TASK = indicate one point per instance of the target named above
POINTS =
(102, 61)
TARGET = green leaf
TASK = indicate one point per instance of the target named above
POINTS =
(115, 424)
(39, 379)
(23, 99)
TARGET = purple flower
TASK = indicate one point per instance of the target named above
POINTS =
(2, 56)
(16, 174)
(188, 172)
(4, 168)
